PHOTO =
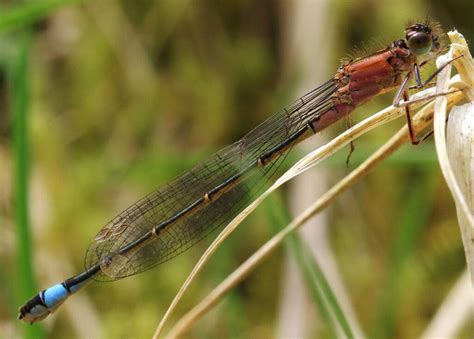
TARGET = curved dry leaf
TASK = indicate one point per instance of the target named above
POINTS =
(455, 143)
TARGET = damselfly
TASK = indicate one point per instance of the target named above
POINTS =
(176, 216)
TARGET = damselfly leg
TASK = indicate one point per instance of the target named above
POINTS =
(403, 92)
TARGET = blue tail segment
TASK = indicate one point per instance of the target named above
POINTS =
(44, 303)
(48, 300)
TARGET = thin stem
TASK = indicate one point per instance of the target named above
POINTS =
(421, 121)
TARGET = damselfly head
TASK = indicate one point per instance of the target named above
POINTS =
(423, 38)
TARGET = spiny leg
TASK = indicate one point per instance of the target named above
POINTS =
(349, 124)
(403, 93)
(416, 69)
(413, 138)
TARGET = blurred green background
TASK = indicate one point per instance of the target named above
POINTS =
(103, 101)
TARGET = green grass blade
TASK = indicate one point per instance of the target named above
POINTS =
(408, 230)
(316, 283)
(19, 110)
(319, 279)
(24, 15)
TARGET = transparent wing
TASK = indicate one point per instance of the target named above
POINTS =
(182, 222)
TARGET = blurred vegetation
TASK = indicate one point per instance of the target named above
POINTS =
(122, 96)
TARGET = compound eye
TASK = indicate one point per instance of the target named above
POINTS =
(420, 43)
